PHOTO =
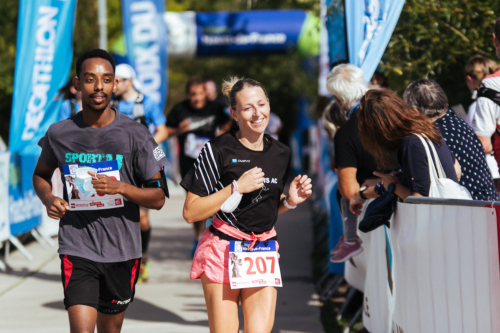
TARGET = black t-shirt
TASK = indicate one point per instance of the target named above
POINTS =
(349, 151)
(109, 235)
(415, 167)
(225, 159)
(204, 124)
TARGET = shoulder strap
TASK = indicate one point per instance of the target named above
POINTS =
(432, 170)
(437, 160)
(72, 107)
(138, 110)
(490, 94)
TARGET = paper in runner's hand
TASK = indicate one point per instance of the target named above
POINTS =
(78, 186)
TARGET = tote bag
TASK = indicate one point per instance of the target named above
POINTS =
(441, 187)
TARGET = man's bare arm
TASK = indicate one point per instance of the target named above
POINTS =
(56, 207)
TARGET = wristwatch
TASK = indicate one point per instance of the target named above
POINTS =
(361, 194)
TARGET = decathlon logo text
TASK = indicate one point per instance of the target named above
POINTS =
(42, 70)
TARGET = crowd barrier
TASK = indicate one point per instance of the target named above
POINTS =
(436, 269)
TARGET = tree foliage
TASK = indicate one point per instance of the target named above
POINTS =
(436, 38)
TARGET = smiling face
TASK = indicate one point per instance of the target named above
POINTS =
(97, 83)
(252, 110)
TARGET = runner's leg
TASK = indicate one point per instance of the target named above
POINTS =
(145, 238)
(82, 319)
(259, 305)
(110, 323)
(222, 306)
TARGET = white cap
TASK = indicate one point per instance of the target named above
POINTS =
(125, 71)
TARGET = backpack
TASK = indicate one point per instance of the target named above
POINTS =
(138, 112)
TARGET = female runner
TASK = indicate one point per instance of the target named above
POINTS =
(255, 165)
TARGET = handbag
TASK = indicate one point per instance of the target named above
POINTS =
(379, 211)
(441, 187)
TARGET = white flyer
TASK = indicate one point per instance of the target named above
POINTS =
(78, 186)
(194, 144)
(256, 268)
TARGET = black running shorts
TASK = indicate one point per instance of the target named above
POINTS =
(107, 287)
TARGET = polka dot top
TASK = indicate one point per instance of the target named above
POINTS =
(469, 152)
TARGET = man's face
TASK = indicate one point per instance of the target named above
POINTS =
(97, 83)
(197, 96)
(211, 90)
(122, 86)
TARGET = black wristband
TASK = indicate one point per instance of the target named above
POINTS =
(362, 195)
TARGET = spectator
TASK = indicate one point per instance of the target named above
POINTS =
(486, 120)
(355, 166)
(72, 100)
(387, 124)
(476, 69)
(429, 99)
(379, 80)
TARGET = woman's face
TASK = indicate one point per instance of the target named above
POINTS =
(252, 110)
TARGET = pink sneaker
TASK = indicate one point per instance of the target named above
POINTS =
(337, 247)
(346, 251)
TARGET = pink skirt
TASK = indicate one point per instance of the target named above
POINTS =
(212, 254)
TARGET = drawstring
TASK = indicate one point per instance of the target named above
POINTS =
(254, 240)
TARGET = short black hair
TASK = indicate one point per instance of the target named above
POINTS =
(194, 81)
(94, 53)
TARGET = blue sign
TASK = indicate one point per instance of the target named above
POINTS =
(25, 209)
(370, 24)
(335, 25)
(255, 32)
(43, 60)
(146, 43)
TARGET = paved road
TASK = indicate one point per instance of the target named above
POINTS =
(31, 293)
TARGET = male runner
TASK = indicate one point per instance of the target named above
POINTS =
(144, 110)
(100, 249)
(196, 120)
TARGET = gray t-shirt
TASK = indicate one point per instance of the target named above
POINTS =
(109, 235)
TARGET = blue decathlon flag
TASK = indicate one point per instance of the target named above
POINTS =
(370, 24)
(43, 60)
(146, 42)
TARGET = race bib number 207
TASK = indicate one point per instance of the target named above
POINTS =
(256, 268)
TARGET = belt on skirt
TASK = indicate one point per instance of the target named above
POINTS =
(224, 236)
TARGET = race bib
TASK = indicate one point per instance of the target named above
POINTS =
(81, 194)
(194, 144)
(256, 268)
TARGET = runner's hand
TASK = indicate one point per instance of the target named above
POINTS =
(356, 204)
(56, 207)
(300, 189)
(184, 126)
(251, 180)
(105, 184)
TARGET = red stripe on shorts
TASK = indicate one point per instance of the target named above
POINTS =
(68, 269)
(134, 272)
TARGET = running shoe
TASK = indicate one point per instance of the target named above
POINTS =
(195, 245)
(337, 247)
(346, 251)
(143, 271)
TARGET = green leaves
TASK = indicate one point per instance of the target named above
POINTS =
(436, 38)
